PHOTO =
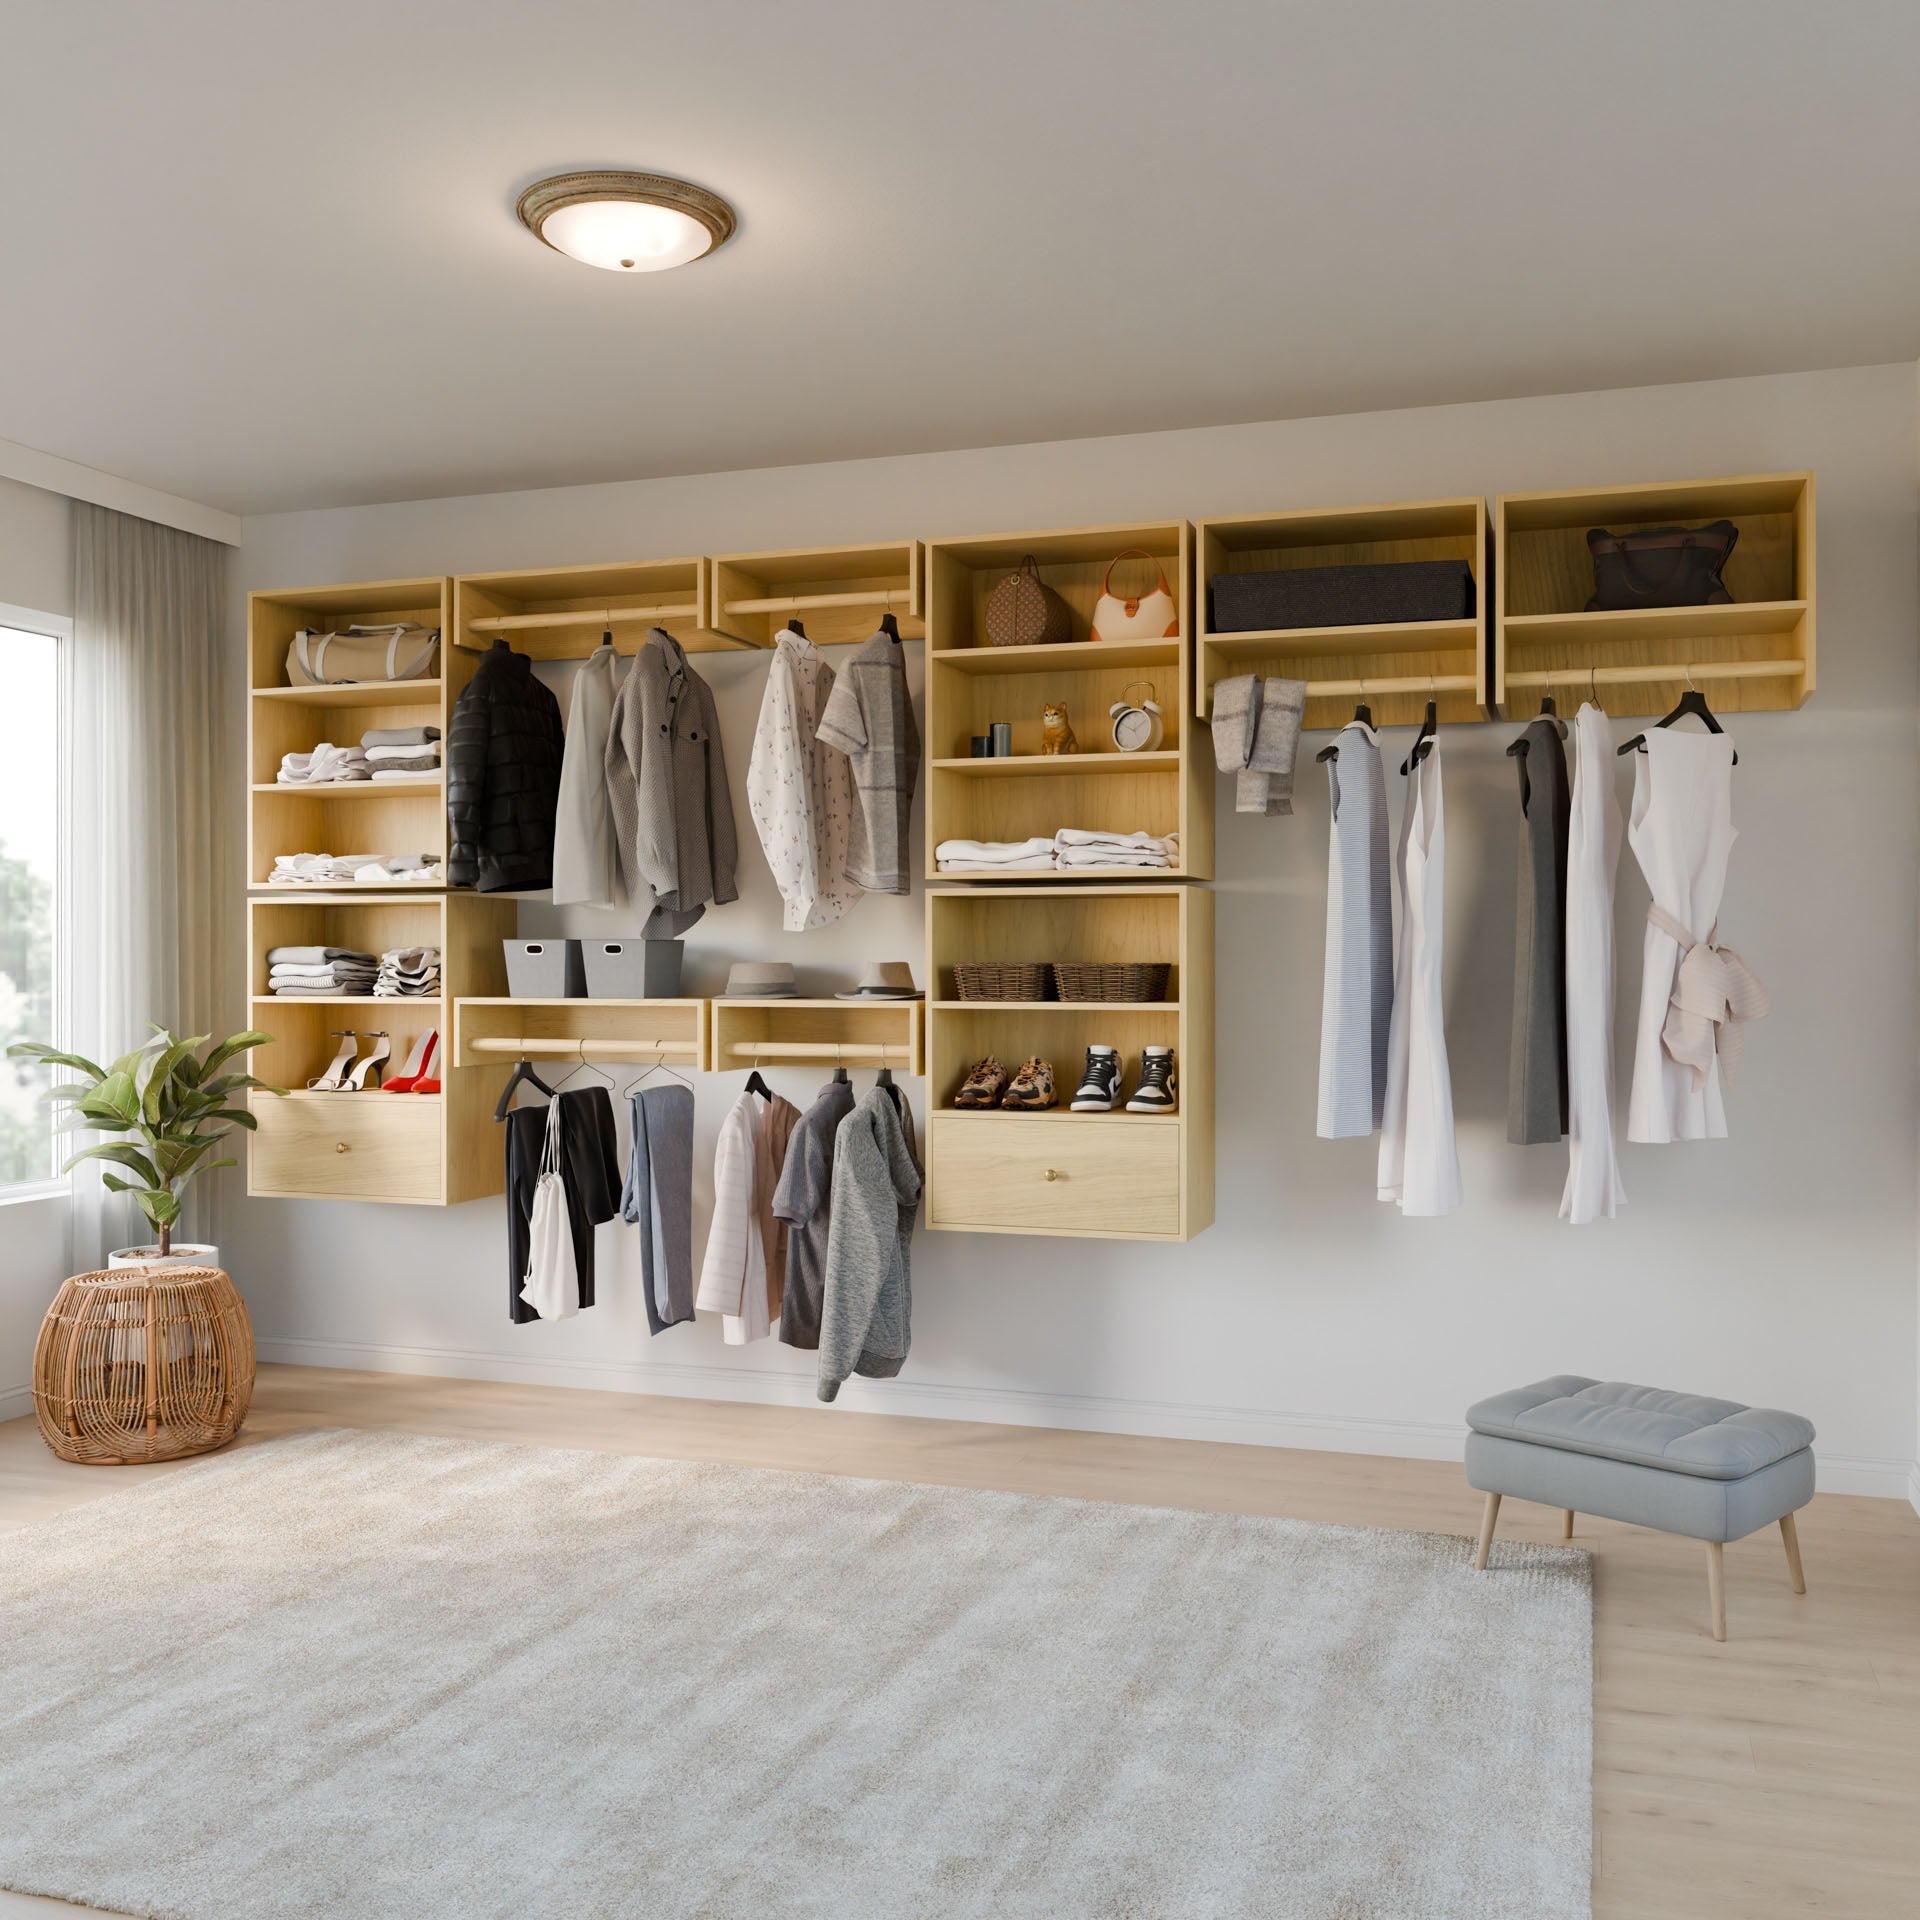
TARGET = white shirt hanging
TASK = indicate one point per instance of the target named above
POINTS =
(586, 865)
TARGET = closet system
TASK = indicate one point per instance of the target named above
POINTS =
(1147, 1176)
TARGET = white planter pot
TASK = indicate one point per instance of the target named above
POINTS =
(184, 1254)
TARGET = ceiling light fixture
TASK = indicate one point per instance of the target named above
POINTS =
(625, 222)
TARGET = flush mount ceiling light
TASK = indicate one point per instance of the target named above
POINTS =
(625, 222)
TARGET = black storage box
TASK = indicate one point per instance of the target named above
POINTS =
(1366, 596)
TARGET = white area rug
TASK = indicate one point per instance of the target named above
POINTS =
(363, 1676)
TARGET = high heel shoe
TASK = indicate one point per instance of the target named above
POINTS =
(331, 1080)
(373, 1062)
(429, 1081)
(419, 1064)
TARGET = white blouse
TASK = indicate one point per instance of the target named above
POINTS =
(799, 790)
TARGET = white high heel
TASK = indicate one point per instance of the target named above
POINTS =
(372, 1062)
(331, 1080)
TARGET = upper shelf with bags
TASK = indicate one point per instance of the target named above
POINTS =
(351, 646)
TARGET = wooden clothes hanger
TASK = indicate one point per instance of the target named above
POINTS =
(1693, 703)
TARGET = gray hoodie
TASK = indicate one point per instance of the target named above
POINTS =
(867, 1308)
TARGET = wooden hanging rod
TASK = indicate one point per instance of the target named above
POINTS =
(551, 1048)
(807, 602)
(1406, 683)
(772, 1052)
(584, 617)
(1574, 678)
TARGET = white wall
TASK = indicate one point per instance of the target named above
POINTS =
(1777, 1267)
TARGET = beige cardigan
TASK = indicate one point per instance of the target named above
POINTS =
(743, 1276)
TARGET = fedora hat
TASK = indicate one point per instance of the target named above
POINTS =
(760, 980)
(884, 980)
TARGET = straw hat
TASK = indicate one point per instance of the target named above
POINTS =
(760, 980)
(884, 980)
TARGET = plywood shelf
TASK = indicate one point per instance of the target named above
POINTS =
(493, 1029)
(1067, 656)
(356, 693)
(1056, 1006)
(1053, 765)
(347, 1000)
(562, 613)
(838, 594)
(1401, 663)
(343, 789)
(749, 1033)
(1062, 1114)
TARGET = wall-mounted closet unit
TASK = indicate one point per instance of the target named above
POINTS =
(972, 684)
(560, 613)
(1105, 1175)
(427, 1149)
(819, 1033)
(1394, 666)
(838, 594)
(1754, 654)
(492, 1031)
(359, 816)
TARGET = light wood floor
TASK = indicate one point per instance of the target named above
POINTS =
(1777, 1775)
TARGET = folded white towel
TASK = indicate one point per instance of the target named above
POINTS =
(1040, 863)
(989, 851)
(393, 773)
(1096, 837)
(1111, 857)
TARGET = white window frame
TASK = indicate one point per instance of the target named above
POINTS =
(56, 626)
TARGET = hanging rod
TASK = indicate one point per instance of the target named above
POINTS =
(1574, 678)
(583, 617)
(806, 602)
(1406, 683)
(771, 1052)
(551, 1048)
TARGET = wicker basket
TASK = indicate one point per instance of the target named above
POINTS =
(143, 1364)
(1003, 979)
(1112, 979)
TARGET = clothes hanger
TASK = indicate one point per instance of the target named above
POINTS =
(1518, 750)
(1429, 730)
(1362, 717)
(888, 624)
(1691, 702)
(586, 1065)
(659, 1066)
(755, 1084)
(794, 626)
(841, 1077)
(522, 1075)
(884, 1079)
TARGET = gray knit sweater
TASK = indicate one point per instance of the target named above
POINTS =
(867, 1306)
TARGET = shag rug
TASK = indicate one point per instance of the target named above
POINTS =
(365, 1676)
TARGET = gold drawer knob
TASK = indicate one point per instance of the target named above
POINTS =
(340, 1146)
(1053, 1173)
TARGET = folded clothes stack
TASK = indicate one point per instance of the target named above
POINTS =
(319, 972)
(993, 856)
(403, 753)
(357, 870)
(1087, 847)
(408, 973)
(326, 765)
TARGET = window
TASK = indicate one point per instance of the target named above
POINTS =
(30, 826)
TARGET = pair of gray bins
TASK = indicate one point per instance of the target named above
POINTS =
(594, 969)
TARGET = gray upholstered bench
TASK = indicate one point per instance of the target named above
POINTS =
(1711, 1469)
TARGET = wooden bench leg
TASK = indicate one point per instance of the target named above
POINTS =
(1487, 1519)
(1791, 1535)
(1717, 1587)
(1566, 1523)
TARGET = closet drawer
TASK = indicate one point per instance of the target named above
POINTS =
(347, 1146)
(1109, 1177)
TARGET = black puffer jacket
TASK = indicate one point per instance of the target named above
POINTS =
(503, 776)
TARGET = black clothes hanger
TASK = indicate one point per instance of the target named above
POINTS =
(890, 627)
(1429, 728)
(522, 1075)
(1691, 702)
(884, 1080)
(842, 1078)
(1362, 717)
(794, 626)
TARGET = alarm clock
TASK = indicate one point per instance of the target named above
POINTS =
(1137, 724)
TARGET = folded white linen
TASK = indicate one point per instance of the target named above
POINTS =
(394, 773)
(1111, 857)
(990, 851)
(1096, 837)
(1040, 863)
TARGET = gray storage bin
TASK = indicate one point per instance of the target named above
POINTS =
(634, 969)
(544, 970)
(1365, 596)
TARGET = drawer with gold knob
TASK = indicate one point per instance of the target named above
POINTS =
(1110, 1174)
(347, 1146)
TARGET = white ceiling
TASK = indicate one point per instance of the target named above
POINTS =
(265, 255)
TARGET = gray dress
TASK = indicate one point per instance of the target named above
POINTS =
(1537, 1062)
(1357, 998)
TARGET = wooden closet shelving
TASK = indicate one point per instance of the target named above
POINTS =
(839, 594)
(1104, 1175)
(971, 684)
(1756, 654)
(560, 613)
(495, 1029)
(1396, 666)
(826, 1033)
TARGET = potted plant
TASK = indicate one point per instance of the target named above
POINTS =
(170, 1103)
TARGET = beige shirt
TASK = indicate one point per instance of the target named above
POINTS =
(743, 1276)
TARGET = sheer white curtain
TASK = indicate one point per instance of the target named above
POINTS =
(149, 772)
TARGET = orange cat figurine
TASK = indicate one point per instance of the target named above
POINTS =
(1056, 731)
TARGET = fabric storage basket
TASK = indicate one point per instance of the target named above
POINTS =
(544, 970)
(1342, 596)
(1003, 979)
(633, 969)
(1113, 979)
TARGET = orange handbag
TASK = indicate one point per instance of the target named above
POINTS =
(1148, 616)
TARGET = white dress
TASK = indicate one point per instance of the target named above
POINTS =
(1594, 1189)
(1419, 1166)
(1682, 833)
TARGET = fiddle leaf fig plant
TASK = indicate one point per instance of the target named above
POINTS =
(168, 1101)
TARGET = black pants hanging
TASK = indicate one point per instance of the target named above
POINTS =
(589, 1164)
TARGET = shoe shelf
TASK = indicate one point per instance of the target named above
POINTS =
(838, 594)
(492, 1030)
(356, 816)
(972, 684)
(1755, 654)
(561, 613)
(1104, 1175)
(408, 1148)
(1394, 666)
(827, 1033)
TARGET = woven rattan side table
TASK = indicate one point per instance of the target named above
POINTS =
(143, 1364)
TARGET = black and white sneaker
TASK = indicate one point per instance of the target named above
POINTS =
(1158, 1084)
(1099, 1082)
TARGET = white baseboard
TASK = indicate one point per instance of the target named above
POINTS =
(1913, 1486)
(15, 1402)
(1001, 1406)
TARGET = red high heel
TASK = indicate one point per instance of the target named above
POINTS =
(430, 1085)
(420, 1063)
